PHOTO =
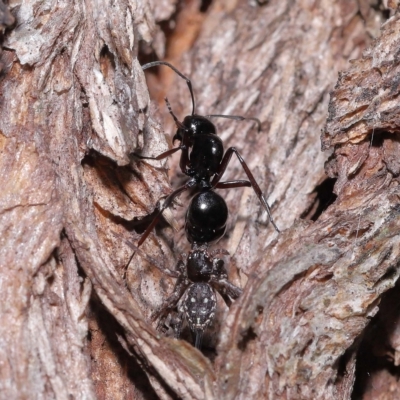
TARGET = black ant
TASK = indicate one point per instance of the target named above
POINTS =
(200, 273)
(202, 158)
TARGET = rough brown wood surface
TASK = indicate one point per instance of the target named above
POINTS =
(74, 106)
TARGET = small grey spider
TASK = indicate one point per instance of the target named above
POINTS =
(198, 278)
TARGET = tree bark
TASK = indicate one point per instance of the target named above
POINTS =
(75, 106)
(6, 21)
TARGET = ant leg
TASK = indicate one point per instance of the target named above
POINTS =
(151, 260)
(160, 156)
(188, 81)
(254, 184)
(167, 203)
(233, 184)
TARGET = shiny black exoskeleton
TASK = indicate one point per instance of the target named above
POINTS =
(201, 273)
(202, 159)
(207, 149)
(206, 218)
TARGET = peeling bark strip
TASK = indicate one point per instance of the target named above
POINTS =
(74, 106)
(363, 129)
(6, 21)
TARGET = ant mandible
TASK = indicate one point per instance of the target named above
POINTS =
(202, 158)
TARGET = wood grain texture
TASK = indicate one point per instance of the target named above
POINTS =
(75, 106)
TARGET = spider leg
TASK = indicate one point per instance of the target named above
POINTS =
(224, 163)
(226, 288)
(225, 297)
(177, 325)
(219, 281)
(171, 302)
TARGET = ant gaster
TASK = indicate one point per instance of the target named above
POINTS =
(201, 272)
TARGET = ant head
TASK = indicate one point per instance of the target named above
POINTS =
(199, 125)
(194, 125)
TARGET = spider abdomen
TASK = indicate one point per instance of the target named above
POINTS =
(199, 307)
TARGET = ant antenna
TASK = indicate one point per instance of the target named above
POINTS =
(188, 81)
(177, 122)
(238, 118)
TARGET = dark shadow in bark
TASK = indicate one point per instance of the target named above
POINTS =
(112, 330)
(375, 359)
(324, 197)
